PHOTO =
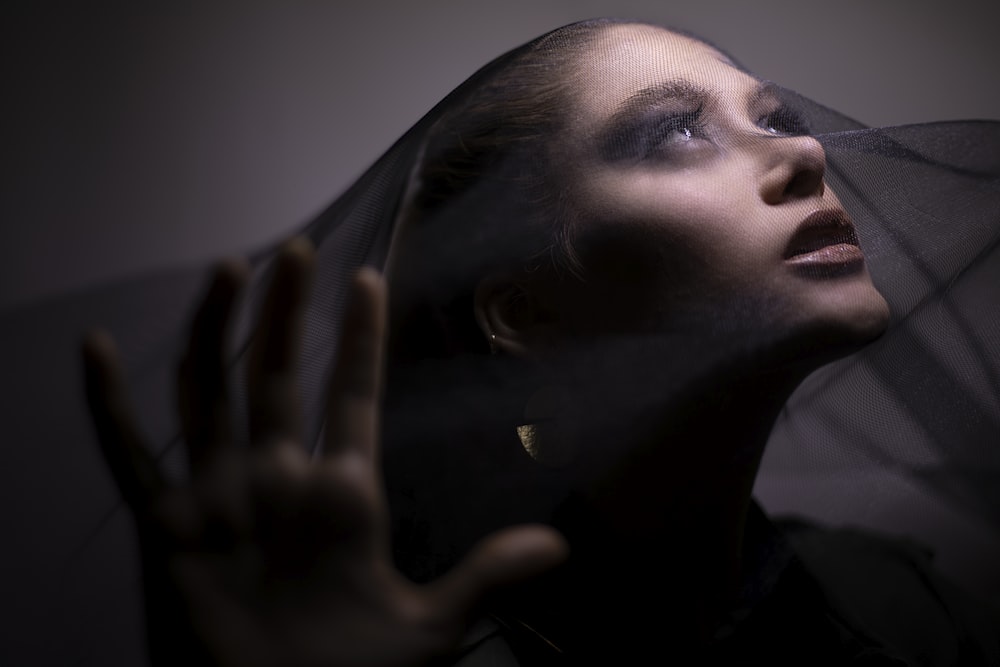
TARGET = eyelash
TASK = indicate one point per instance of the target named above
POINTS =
(690, 122)
(784, 122)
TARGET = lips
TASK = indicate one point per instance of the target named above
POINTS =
(826, 234)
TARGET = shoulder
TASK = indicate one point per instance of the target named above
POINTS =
(888, 589)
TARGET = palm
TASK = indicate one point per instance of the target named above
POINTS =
(268, 557)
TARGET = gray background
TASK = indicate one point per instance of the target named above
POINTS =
(138, 138)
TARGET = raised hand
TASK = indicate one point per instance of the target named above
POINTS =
(269, 557)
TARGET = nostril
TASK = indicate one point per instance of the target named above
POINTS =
(804, 183)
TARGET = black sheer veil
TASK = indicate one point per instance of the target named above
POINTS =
(904, 433)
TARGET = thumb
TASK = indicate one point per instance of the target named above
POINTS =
(504, 558)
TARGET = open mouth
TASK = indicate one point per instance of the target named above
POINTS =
(825, 238)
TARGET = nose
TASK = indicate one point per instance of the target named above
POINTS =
(793, 169)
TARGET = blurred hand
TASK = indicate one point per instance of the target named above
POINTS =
(269, 557)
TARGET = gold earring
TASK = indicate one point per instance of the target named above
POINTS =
(546, 431)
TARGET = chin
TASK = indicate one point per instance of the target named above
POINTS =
(844, 319)
(824, 320)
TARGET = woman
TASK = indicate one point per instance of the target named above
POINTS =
(615, 256)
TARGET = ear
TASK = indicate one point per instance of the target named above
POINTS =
(512, 317)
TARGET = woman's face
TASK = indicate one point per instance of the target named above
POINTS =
(698, 208)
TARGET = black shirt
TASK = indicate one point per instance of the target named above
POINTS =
(813, 596)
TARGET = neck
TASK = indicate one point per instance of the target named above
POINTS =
(664, 517)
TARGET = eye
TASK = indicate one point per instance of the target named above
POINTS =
(680, 127)
(783, 122)
(677, 130)
(655, 134)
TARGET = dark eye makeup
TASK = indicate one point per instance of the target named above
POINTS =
(676, 129)
(653, 132)
(783, 121)
(660, 131)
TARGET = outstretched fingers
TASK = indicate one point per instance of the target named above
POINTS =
(131, 465)
(201, 384)
(273, 358)
(352, 416)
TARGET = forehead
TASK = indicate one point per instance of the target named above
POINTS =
(626, 59)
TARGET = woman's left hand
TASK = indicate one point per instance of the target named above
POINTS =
(269, 557)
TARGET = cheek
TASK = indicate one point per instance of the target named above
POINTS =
(654, 272)
(683, 230)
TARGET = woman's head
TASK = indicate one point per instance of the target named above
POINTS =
(619, 178)
(623, 197)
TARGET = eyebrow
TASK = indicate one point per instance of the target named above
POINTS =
(765, 91)
(680, 90)
(625, 131)
(674, 90)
